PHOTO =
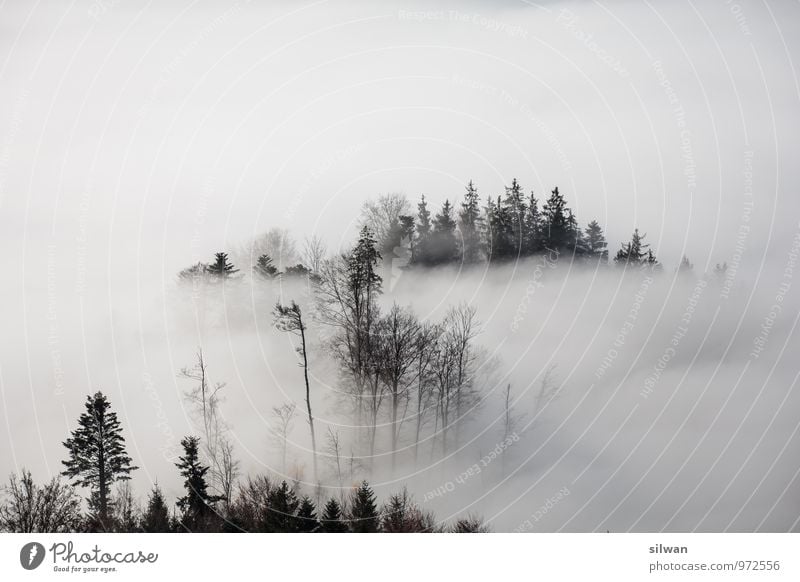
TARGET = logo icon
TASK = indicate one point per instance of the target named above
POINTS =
(31, 555)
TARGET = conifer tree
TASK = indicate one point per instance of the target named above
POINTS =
(197, 505)
(469, 225)
(499, 230)
(532, 240)
(265, 268)
(595, 240)
(514, 205)
(97, 456)
(444, 246)
(558, 230)
(424, 232)
(634, 252)
(156, 516)
(307, 516)
(332, 520)
(222, 268)
(364, 516)
(282, 508)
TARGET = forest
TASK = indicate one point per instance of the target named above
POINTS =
(408, 386)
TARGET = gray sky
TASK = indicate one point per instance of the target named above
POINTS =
(138, 138)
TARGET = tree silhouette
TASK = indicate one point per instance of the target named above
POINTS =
(97, 456)
(265, 268)
(156, 517)
(196, 506)
(222, 268)
(364, 516)
(332, 520)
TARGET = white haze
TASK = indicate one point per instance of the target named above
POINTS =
(136, 141)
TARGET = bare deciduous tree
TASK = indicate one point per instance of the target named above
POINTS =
(29, 508)
(284, 419)
(314, 251)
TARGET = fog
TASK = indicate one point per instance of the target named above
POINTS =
(135, 141)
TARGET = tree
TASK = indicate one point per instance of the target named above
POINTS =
(126, 509)
(276, 242)
(499, 233)
(264, 267)
(595, 240)
(314, 250)
(332, 520)
(469, 224)
(97, 456)
(282, 506)
(421, 253)
(559, 233)
(30, 508)
(401, 515)
(217, 446)
(514, 205)
(222, 268)
(284, 417)
(307, 516)
(397, 334)
(290, 319)
(470, 524)
(156, 517)
(197, 505)
(363, 515)
(382, 216)
(443, 246)
(686, 267)
(635, 252)
(532, 227)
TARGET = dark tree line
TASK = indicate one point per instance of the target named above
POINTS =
(97, 460)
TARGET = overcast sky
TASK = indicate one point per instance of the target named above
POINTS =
(137, 138)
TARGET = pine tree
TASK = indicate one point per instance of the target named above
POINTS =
(444, 246)
(596, 245)
(514, 205)
(633, 253)
(197, 505)
(221, 268)
(307, 516)
(282, 508)
(499, 231)
(265, 268)
(156, 516)
(332, 520)
(364, 516)
(97, 456)
(532, 232)
(424, 232)
(558, 232)
(469, 219)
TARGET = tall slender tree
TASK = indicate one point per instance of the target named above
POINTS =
(290, 319)
(469, 225)
(197, 505)
(97, 456)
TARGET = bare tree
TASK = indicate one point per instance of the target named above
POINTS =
(397, 349)
(461, 328)
(383, 213)
(334, 451)
(29, 508)
(290, 319)
(276, 242)
(426, 341)
(217, 446)
(284, 419)
(314, 251)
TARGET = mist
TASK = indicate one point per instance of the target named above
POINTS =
(135, 142)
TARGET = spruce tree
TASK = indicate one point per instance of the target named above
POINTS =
(97, 456)
(469, 224)
(156, 516)
(595, 240)
(265, 268)
(364, 516)
(424, 231)
(514, 205)
(633, 253)
(307, 516)
(532, 232)
(282, 506)
(559, 228)
(197, 505)
(444, 245)
(499, 231)
(222, 268)
(332, 520)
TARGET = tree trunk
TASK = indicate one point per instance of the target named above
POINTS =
(308, 400)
